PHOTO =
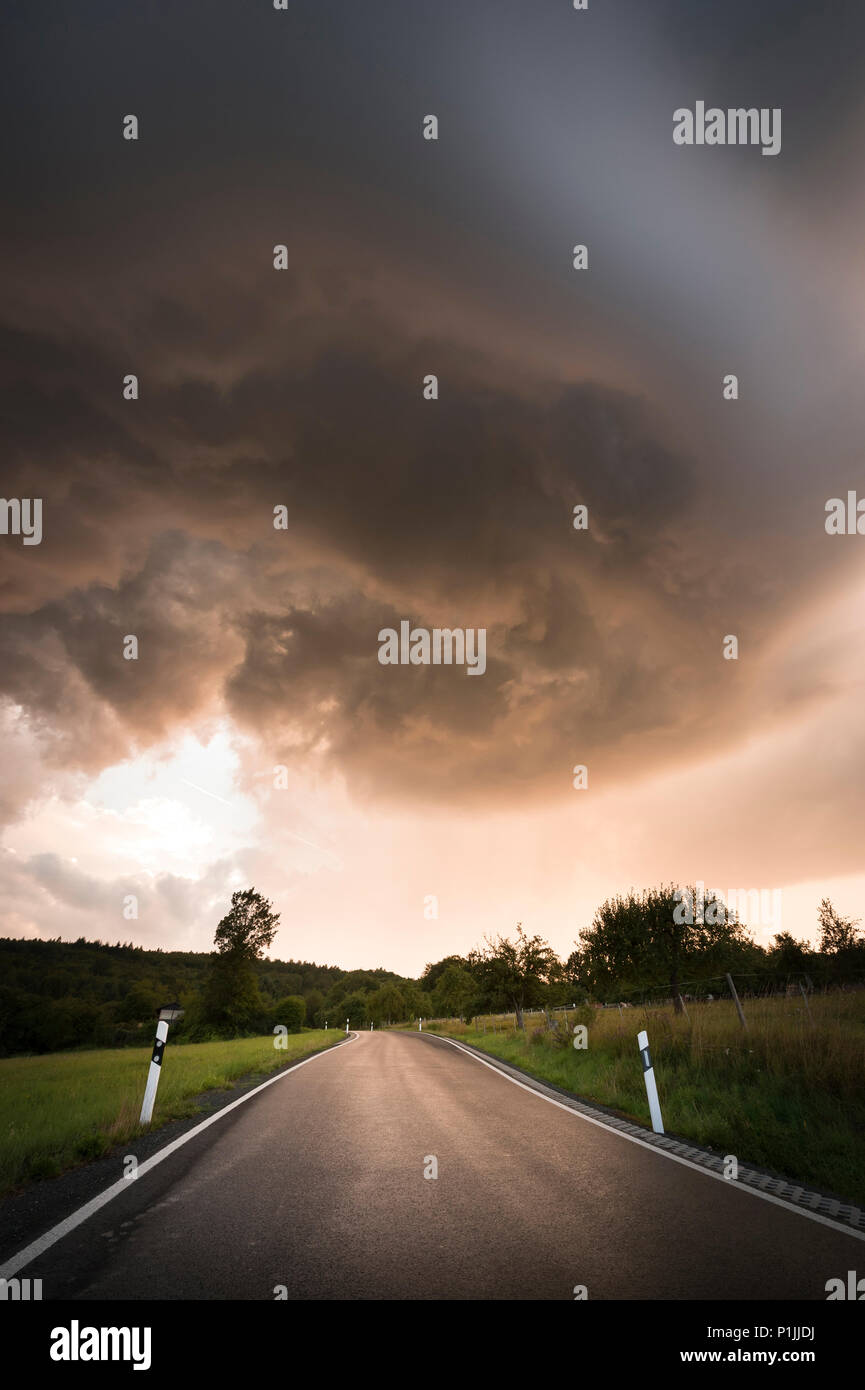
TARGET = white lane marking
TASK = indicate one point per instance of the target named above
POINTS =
(656, 1149)
(38, 1247)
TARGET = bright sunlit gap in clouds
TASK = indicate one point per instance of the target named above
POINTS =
(174, 809)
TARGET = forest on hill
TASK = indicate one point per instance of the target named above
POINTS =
(63, 994)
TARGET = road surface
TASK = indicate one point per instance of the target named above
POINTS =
(316, 1186)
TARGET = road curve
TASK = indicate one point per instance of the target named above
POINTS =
(316, 1186)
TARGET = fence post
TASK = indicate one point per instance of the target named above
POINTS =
(736, 1000)
(651, 1087)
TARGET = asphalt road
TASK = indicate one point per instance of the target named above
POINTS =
(317, 1184)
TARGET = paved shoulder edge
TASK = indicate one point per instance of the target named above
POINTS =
(844, 1215)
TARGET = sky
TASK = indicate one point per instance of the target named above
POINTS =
(398, 814)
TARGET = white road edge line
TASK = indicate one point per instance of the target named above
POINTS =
(656, 1149)
(38, 1247)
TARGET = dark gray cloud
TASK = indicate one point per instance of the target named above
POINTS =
(452, 513)
(303, 388)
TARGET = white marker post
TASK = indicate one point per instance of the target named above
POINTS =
(649, 1078)
(346, 1025)
(420, 1025)
(169, 1014)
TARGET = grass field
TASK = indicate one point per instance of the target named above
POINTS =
(67, 1107)
(787, 1093)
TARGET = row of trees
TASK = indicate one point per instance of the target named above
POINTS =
(664, 940)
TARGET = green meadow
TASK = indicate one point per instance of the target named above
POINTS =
(786, 1093)
(65, 1108)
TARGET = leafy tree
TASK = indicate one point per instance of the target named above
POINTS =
(231, 995)
(141, 1003)
(290, 1012)
(231, 999)
(433, 973)
(416, 1000)
(386, 1005)
(248, 929)
(564, 983)
(788, 955)
(514, 974)
(836, 933)
(654, 935)
(576, 977)
(352, 1007)
(314, 1001)
(455, 992)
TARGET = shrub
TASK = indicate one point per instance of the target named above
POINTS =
(290, 1012)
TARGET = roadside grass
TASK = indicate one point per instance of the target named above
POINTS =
(66, 1108)
(785, 1094)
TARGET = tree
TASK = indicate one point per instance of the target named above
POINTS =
(836, 933)
(231, 1001)
(454, 993)
(416, 1000)
(575, 977)
(386, 1005)
(788, 955)
(433, 973)
(141, 1003)
(653, 935)
(514, 974)
(352, 1007)
(290, 1012)
(248, 929)
(314, 1001)
(231, 995)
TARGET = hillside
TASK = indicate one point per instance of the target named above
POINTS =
(59, 994)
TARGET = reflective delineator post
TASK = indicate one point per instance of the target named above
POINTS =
(420, 1025)
(651, 1087)
(169, 1013)
(153, 1074)
(346, 1025)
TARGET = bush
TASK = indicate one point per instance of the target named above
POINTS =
(290, 1012)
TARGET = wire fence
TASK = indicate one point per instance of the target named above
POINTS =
(797, 986)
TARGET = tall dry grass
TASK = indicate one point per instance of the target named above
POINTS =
(785, 1093)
